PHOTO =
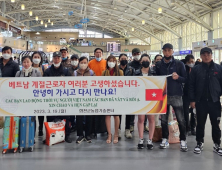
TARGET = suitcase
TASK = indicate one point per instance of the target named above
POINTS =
(27, 133)
(10, 134)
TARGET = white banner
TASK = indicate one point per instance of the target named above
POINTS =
(82, 96)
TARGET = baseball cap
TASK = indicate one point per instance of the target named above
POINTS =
(167, 45)
(75, 56)
(205, 49)
(64, 48)
(135, 50)
(57, 54)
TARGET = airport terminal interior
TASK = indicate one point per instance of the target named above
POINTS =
(81, 28)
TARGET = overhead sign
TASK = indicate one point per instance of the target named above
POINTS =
(80, 96)
(186, 52)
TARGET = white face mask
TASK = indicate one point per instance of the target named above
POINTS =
(36, 61)
(56, 65)
(6, 56)
(111, 64)
(137, 57)
(74, 63)
(191, 65)
(83, 66)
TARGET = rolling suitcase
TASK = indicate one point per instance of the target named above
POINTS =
(27, 133)
(10, 134)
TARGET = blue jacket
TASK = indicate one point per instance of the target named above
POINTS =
(174, 87)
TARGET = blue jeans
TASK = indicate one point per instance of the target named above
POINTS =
(177, 103)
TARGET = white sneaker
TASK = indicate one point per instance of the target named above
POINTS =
(199, 148)
(165, 144)
(183, 146)
(217, 149)
(140, 144)
(119, 134)
(128, 135)
(149, 144)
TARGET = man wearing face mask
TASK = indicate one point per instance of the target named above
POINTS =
(136, 57)
(8, 67)
(66, 63)
(177, 76)
(98, 65)
(74, 63)
(57, 70)
(190, 123)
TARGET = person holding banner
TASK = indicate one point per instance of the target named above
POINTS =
(205, 89)
(112, 69)
(176, 76)
(57, 70)
(128, 71)
(84, 70)
(37, 64)
(145, 71)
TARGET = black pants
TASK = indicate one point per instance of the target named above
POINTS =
(128, 120)
(214, 110)
(73, 120)
(177, 104)
(132, 120)
(67, 118)
(80, 127)
(41, 121)
(190, 122)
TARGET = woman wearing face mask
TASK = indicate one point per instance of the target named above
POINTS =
(28, 70)
(83, 70)
(145, 71)
(190, 123)
(112, 70)
(74, 63)
(37, 64)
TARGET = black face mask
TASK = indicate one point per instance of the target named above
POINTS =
(145, 64)
(167, 58)
(123, 62)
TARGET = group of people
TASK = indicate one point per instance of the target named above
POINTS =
(190, 89)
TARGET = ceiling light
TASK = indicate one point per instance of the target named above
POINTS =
(52, 23)
(160, 10)
(48, 20)
(12, 1)
(143, 22)
(115, 8)
(23, 7)
(36, 18)
(37, 33)
(132, 29)
(46, 25)
(42, 22)
(30, 13)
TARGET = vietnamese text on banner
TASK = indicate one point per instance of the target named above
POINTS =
(82, 96)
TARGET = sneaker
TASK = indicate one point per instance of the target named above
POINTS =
(217, 149)
(198, 148)
(140, 144)
(80, 139)
(128, 135)
(165, 144)
(40, 133)
(119, 133)
(93, 136)
(88, 139)
(146, 128)
(131, 128)
(68, 139)
(149, 144)
(183, 146)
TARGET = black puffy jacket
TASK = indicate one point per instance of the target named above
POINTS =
(59, 72)
(135, 64)
(10, 69)
(128, 71)
(197, 81)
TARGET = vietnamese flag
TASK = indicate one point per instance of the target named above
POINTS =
(154, 94)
